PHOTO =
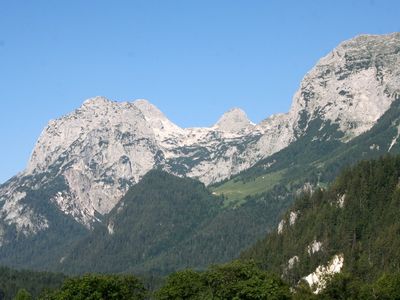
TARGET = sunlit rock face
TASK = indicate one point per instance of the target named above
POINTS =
(352, 86)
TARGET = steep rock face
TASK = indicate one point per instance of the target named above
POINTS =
(99, 149)
(277, 134)
(15, 212)
(352, 86)
(104, 147)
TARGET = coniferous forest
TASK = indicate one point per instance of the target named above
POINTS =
(355, 216)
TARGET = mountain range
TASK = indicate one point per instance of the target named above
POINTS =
(96, 182)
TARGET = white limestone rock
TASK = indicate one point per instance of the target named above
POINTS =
(318, 279)
(14, 211)
(162, 127)
(314, 247)
(292, 261)
(281, 226)
(341, 200)
(293, 217)
(352, 86)
(234, 121)
(99, 149)
(395, 138)
(110, 227)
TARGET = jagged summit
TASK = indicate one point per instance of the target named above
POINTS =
(234, 120)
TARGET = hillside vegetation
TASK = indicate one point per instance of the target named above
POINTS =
(355, 217)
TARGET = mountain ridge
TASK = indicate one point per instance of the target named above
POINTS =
(86, 161)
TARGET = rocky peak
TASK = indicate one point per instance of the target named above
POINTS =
(234, 121)
(149, 110)
(97, 101)
(99, 149)
(162, 126)
(95, 115)
(352, 86)
(375, 44)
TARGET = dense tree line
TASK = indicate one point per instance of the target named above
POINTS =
(235, 280)
(33, 283)
(99, 287)
(357, 216)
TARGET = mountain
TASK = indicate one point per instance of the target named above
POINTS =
(325, 143)
(165, 223)
(156, 215)
(104, 147)
(309, 163)
(350, 224)
(85, 162)
(352, 86)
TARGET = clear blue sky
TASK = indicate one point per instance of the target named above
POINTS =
(194, 59)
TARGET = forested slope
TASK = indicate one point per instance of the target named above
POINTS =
(356, 217)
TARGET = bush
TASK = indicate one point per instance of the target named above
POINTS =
(99, 287)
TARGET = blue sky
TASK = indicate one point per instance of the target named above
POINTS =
(194, 59)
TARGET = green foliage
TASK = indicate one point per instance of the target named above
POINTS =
(23, 295)
(99, 287)
(363, 229)
(342, 286)
(235, 280)
(235, 191)
(186, 284)
(346, 286)
(240, 280)
(18, 283)
(302, 291)
(387, 287)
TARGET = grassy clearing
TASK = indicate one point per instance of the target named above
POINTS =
(236, 191)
